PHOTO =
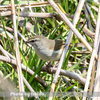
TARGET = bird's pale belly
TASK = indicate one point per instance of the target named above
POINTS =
(50, 55)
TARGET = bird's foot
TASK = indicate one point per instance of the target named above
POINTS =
(48, 66)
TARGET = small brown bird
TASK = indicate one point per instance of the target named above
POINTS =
(46, 49)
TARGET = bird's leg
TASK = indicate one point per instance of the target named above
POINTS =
(48, 65)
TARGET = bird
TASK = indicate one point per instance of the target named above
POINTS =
(46, 49)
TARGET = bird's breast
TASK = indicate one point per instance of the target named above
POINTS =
(48, 54)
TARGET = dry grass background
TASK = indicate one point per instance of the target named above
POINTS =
(20, 20)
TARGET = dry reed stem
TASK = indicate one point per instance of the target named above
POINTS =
(11, 59)
(97, 79)
(31, 89)
(35, 4)
(76, 17)
(88, 18)
(69, 74)
(18, 62)
(92, 79)
(91, 14)
(69, 84)
(95, 48)
(30, 72)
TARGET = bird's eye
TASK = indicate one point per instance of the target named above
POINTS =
(32, 40)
